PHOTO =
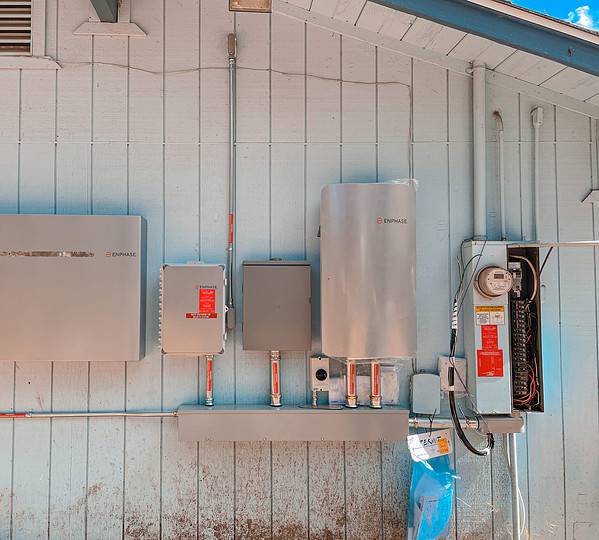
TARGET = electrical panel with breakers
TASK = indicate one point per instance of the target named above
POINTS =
(502, 327)
(525, 326)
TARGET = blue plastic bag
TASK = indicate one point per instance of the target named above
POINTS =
(431, 499)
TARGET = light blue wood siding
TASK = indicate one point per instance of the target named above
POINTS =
(140, 126)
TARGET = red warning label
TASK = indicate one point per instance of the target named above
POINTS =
(201, 316)
(206, 305)
(489, 363)
(489, 359)
(207, 300)
(489, 339)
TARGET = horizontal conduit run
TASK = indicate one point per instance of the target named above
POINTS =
(423, 422)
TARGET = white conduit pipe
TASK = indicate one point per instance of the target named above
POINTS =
(479, 101)
(501, 168)
(513, 466)
(537, 122)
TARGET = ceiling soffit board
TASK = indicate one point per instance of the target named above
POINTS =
(370, 32)
(518, 33)
(379, 39)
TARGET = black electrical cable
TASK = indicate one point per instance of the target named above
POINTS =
(454, 414)
(545, 260)
(457, 306)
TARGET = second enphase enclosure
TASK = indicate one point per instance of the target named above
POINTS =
(368, 265)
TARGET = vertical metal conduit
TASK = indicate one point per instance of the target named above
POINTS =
(232, 51)
(513, 466)
(479, 107)
(501, 170)
(209, 380)
(376, 401)
(537, 122)
(275, 378)
(351, 394)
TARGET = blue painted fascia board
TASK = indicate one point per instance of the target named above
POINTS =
(107, 10)
(512, 31)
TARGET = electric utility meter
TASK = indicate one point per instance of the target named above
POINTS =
(493, 281)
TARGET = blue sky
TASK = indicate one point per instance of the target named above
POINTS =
(582, 12)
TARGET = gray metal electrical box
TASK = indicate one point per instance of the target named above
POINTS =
(192, 309)
(276, 306)
(72, 288)
(426, 393)
(487, 332)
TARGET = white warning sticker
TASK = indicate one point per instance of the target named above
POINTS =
(490, 315)
(430, 445)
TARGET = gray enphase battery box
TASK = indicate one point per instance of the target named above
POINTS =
(192, 309)
(72, 288)
(276, 306)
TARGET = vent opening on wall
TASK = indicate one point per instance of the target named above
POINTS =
(15, 27)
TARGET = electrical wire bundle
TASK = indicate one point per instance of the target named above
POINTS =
(458, 301)
(525, 374)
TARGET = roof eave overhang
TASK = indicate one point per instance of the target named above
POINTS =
(107, 10)
(507, 29)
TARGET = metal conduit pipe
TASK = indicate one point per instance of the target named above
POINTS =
(351, 393)
(107, 414)
(209, 402)
(438, 423)
(442, 423)
(537, 122)
(376, 399)
(415, 422)
(232, 50)
(513, 466)
(479, 108)
(501, 170)
(275, 378)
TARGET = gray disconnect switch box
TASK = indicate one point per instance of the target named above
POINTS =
(276, 306)
(192, 309)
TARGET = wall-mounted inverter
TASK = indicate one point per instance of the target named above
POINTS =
(72, 288)
(368, 270)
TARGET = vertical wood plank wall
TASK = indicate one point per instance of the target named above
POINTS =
(139, 126)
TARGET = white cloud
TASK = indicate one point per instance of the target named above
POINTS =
(582, 16)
